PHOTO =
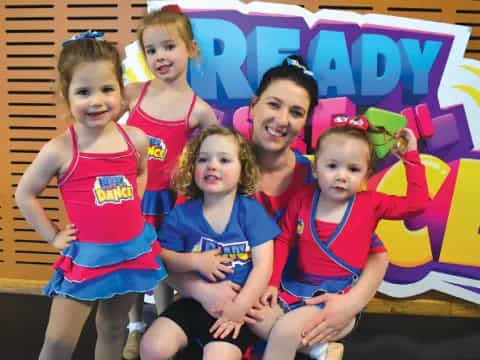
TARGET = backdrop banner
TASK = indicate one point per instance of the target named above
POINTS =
(397, 72)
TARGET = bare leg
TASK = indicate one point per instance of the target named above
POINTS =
(163, 296)
(221, 350)
(136, 327)
(270, 316)
(285, 337)
(334, 350)
(110, 321)
(162, 340)
(136, 311)
(67, 318)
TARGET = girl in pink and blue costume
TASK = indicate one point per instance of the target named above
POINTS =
(101, 172)
(168, 111)
(331, 223)
(166, 108)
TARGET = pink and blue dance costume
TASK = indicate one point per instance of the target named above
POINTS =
(329, 257)
(116, 251)
(166, 142)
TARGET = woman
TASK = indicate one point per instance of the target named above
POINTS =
(284, 100)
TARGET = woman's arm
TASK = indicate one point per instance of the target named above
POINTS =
(211, 264)
(212, 296)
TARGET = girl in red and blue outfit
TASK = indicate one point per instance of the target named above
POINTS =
(108, 252)
(329, 225)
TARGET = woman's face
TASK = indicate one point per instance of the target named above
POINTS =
(279, 114)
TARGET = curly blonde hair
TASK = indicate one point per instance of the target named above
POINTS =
(183, 178)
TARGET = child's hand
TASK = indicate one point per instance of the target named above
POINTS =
(407, 140)
(223, 327)
(270, 296)
(231, 320)
(211, 265)
(63, 238)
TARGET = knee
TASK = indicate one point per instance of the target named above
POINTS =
(154, 348)
(56, 348)
(284, 332)
(110, 327)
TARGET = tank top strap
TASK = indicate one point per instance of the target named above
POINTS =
(142, 93)
(190, 109)
(129, 142)
(75, 155)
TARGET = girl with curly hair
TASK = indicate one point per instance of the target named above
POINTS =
(222, 234)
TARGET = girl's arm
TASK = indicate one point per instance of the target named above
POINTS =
(211, 263)
(416, 200)
(262, 259)
(234, 313)
(203, 115)
(131, 93)
(35, 179)
(140, 141)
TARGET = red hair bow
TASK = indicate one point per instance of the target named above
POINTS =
(359, 122)
(172, 7)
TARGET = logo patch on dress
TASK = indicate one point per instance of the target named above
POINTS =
(300, 226)
(112, 190)
(157, 149)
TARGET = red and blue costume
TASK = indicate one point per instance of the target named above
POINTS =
(330, 257)
(116, 251)
(166, 142)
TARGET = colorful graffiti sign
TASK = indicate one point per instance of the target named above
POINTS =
(396, 71)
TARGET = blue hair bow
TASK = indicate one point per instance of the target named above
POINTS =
(95, 35)
(296, 63)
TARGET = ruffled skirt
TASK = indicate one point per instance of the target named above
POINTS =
(156, 204)
(88, 271)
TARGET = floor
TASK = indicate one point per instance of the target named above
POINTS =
(389, 337)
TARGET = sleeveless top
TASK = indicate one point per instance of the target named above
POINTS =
(111, 255)
(166, 142)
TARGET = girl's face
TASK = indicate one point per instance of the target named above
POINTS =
(94, 94)
(218, 168)
(279, 114)
(341, 167)
(167, 55)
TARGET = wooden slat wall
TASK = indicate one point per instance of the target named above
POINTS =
(32, 36)
(32, 32)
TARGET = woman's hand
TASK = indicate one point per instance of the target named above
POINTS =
(336, 314)
(214, 296)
